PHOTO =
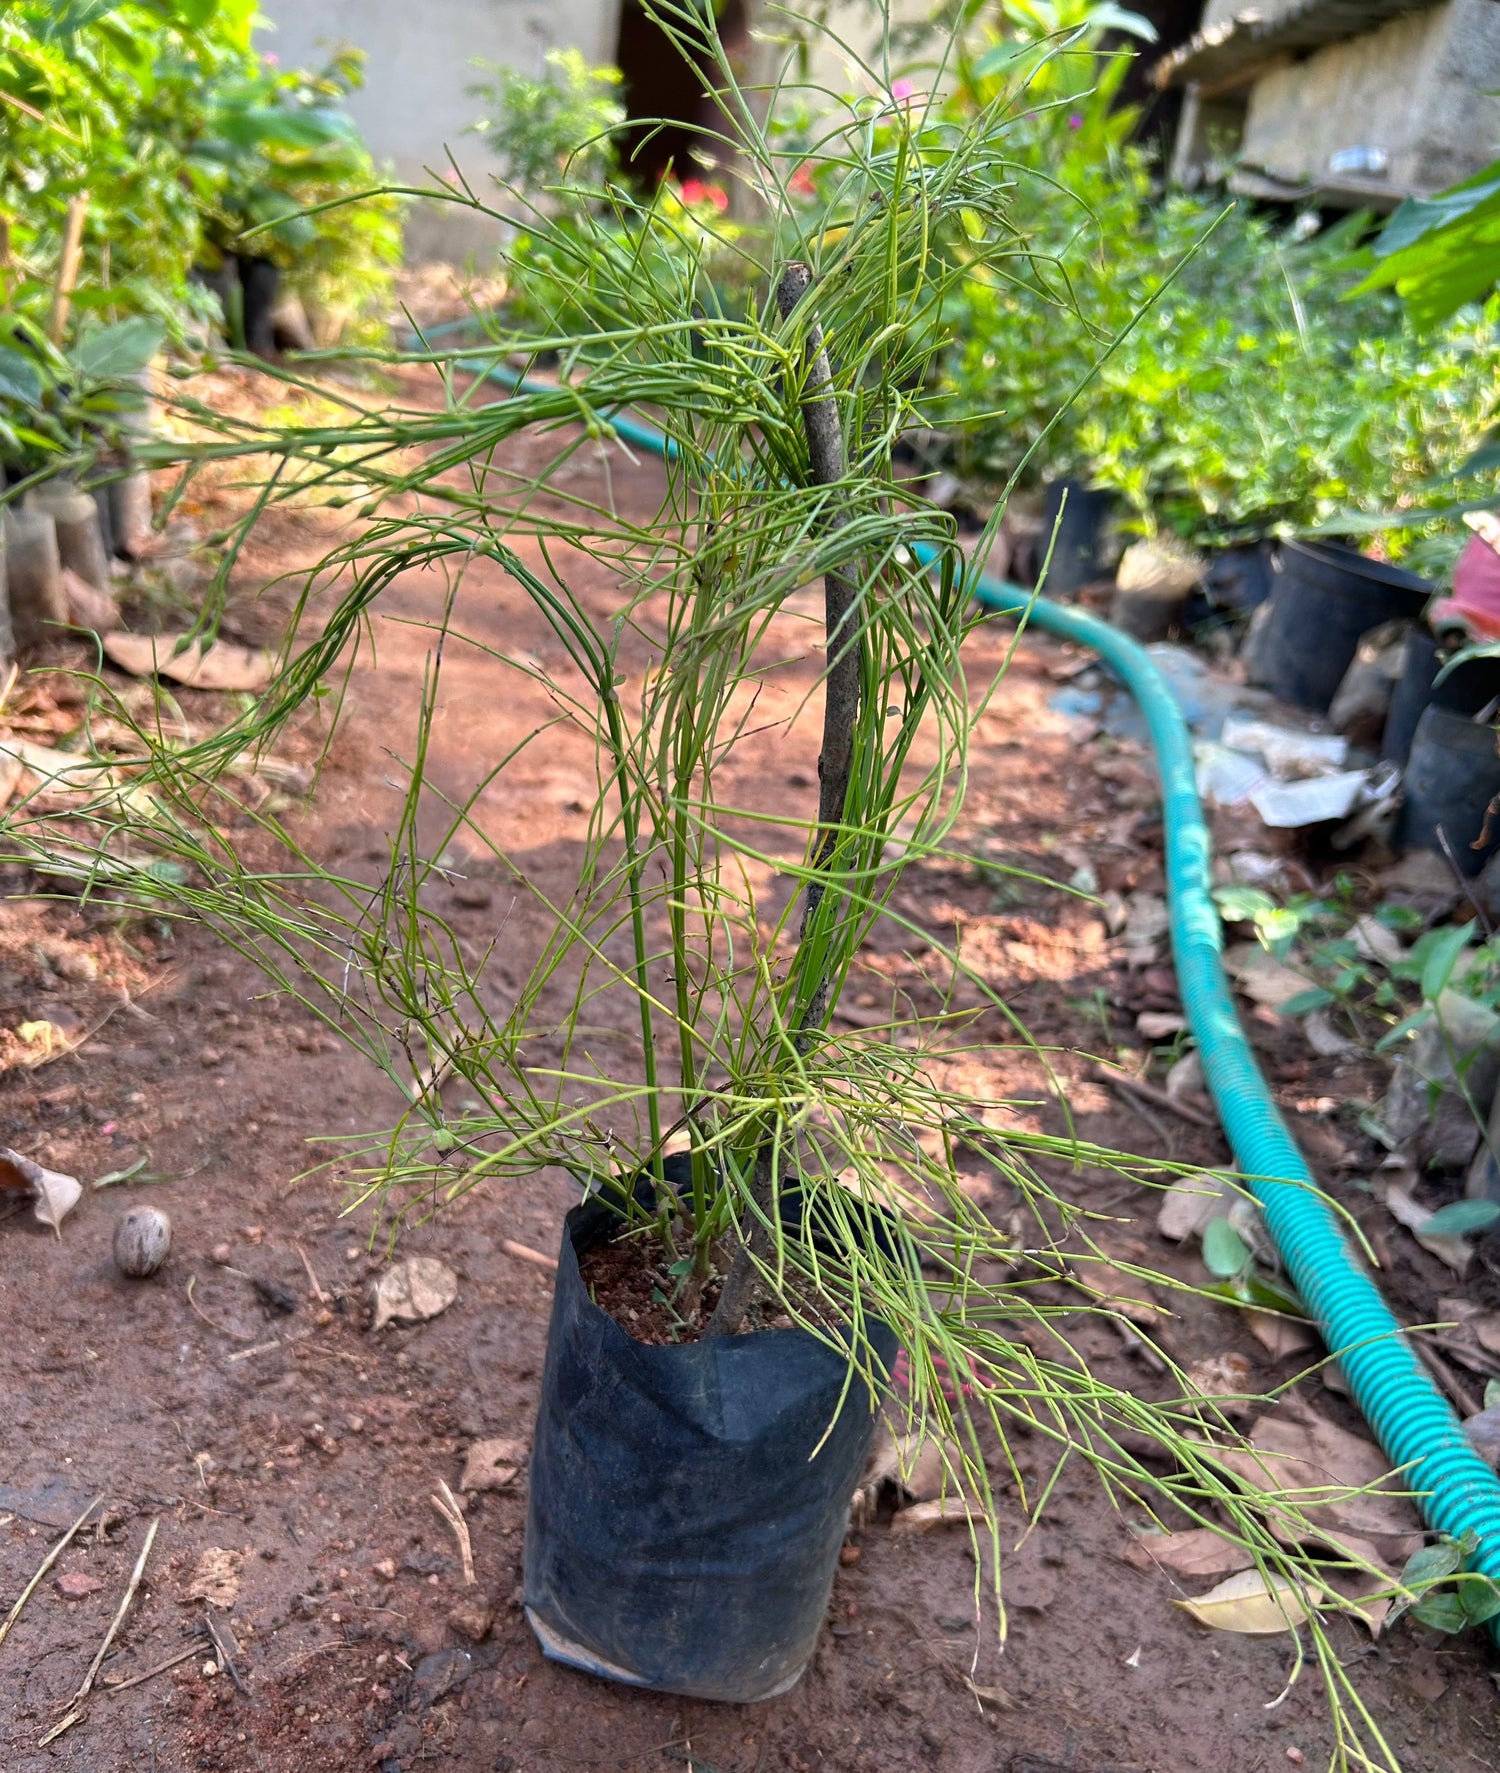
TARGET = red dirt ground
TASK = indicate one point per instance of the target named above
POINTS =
(308, 1446)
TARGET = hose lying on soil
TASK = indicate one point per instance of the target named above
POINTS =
(1457, 1491)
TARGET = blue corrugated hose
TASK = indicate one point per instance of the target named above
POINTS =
(1458, 1492)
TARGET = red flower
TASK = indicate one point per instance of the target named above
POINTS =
(801, 183)
(695, 191)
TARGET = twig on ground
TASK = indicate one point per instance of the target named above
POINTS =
(199, 1312)
(58, 1728)
(119, 1619)
(447, 1506)
(523, 1253)
(225, 1647)
(243, 1354)
(1134, 1086)
(46, 1564)
(157, 1668)
(1465, 885)
(1137, 1345)
(1447, 1380)
(317, 1286)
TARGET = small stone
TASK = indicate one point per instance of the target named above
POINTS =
(1295, 1756)
(210, 1669)
(323, 1317)
(353, 1253)
(385, 1569)
(438, 1674)
(208, 1057)
(143, 1238)
(222, 1255)
(77, 1585)
(253, 1234)
(355, 1424)
(850, 1554)
(472, 1618)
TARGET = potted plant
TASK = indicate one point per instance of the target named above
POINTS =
(774, 1234)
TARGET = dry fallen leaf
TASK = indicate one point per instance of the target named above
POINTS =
(216, 1576)
(88, 606)
(1457, 1252)
(1339, 1481)
(1253, 1603)
(1190, 1203)
(412, 1291)
(54, 1195)
(1280, 1336)
(1224, 1380)
(219, 666)
(1198, 1552)
(493, 1465)
(1261, 977)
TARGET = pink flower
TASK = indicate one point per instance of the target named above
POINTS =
(902, 90)
(801, 183)
(695, 191)
(271, 61)
(1075, 121)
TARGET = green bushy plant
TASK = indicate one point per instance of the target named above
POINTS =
(104, 102)
(284, 162)
(162, 119)
(1220, 379)
(556, 129)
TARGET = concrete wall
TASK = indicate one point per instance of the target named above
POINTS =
(414, 105)
(1413, 88)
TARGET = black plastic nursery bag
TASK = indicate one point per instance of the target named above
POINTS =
(681, 1535)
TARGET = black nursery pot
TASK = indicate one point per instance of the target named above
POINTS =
(1082, 528)
(1324, 596)
(682, 1532)
(1452, 776)
(1468, 689)
(260, 290)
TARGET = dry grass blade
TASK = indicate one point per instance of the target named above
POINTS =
(203, 1317)
(45, 1565)
(448, 1507)
(157, 1668)
(523, 1253)
(59, 1728)
(119, 1619)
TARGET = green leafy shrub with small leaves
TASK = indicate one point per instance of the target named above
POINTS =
(1209, 364)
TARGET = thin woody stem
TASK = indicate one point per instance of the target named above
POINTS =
(841, 679)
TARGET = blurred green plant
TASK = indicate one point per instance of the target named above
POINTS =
(556, 130)
(1441, 253)
(59, 408)
(159, 124)
(1202, 361)
(293, 182)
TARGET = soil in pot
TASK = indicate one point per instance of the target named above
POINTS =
(1325, 596)
(687, 1499)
